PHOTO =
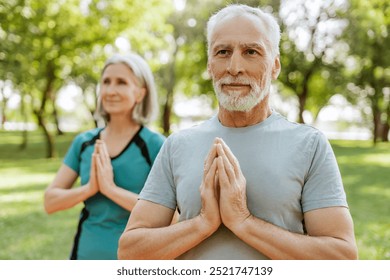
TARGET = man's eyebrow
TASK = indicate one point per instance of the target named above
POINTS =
(222, 46)
(254, 46)
(259, 46)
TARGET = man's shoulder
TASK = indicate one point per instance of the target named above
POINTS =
(295, 126)
(299, 131)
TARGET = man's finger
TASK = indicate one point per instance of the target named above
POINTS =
(210, 175)
(230, 156)
(228, 167)
(222, 174)
(209, 159)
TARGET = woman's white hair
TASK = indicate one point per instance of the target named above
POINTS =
(233, 10)
(145, 111)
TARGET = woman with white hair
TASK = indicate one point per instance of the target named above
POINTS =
(112, 162)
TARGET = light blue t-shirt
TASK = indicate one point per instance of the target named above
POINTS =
(289, 168)
(102, 221)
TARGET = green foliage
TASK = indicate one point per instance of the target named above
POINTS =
(50, 44)
(46, 45)
(368, 37)
(28, 233)
(311, 53)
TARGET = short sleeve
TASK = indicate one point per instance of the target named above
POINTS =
(72, 157)
(159, 186)
(323, 184)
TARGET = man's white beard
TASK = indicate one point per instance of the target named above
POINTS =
(234, 101)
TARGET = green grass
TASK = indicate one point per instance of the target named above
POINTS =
(365, 170)
(27, 232)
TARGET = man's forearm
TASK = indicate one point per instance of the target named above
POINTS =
(162, 243)
(278, 243)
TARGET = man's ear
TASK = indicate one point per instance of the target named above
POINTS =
(276, 68)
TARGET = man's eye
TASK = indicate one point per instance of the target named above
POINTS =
(222, 52)
(252, 52)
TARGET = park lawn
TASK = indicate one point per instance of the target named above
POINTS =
(366, 177)
(27, 232)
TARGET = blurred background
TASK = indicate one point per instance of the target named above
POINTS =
(335, 76)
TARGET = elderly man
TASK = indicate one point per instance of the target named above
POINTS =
(248, 183)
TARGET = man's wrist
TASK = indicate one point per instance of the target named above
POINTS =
(205, 229)
(242, 226)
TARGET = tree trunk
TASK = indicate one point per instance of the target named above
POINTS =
(166, 117)
(3, 116)
(302, 98)
(386, 125)
(377, 125)
(305, 92)
(46, 94)
(302, 104)
(23, 145)
(55, 115)
(2, 109)
(385, 132)
(3, 113)
(170, 80)
(50, 151)
(92, 111)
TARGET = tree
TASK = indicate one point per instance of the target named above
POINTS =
(4, 98)
(309, 52)
(368, 36)
(184, 61)
(46, 40)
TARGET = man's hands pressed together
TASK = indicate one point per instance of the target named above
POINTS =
(209, 193)
(233, 205)
(223, 189)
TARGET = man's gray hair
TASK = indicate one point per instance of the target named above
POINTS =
(147, 110)
(230, 11)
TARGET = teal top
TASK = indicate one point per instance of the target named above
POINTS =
(102, 221)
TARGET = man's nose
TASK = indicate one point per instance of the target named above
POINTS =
(235, 65)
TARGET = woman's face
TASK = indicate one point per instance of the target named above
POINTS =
(120, 90)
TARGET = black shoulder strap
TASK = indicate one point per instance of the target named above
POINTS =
(137, 140)
(89, 143)
(144, 149)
